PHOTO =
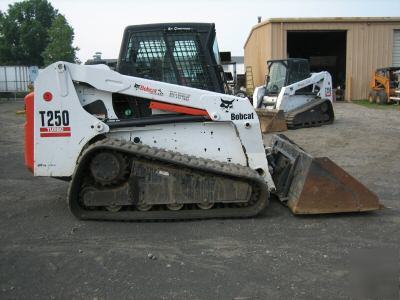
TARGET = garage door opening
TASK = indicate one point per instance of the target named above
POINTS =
(326, 51)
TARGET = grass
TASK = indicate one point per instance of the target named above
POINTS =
(374, 105)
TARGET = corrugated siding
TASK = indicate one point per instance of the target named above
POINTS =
(396, 48)
(369, 46)
(255, 55)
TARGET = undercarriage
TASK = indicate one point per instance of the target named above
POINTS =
(138, 182)
(312, 114)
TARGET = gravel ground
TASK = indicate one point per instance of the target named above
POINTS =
(46, 253)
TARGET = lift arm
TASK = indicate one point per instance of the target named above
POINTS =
(72, 86)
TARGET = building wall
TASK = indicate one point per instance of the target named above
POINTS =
(369, 46)
(257, 51)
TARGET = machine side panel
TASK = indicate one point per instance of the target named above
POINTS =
(220, 108)
(211, 140)
(61, 126)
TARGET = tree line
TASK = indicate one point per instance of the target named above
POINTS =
(33, 32)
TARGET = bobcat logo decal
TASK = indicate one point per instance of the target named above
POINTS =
(226, 104)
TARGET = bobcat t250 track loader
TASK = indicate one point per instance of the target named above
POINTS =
(138, 149)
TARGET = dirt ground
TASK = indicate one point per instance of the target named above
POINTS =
(45, 253)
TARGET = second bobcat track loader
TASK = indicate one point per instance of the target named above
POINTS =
(138, 149)
(294, 97)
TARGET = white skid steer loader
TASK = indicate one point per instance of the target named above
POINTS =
(138, 149)
(292, 97)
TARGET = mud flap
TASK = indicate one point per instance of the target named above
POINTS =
(309, 185)
(271, 120)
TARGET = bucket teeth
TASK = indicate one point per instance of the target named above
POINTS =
(309, 185)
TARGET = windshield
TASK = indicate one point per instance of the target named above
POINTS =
(298, 71)
(277, 76)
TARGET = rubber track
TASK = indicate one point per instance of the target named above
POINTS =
(290, 116)
(259, 198)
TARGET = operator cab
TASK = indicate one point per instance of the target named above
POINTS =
(284, 72)
(179, 53)
(391, 73)
(186, 54)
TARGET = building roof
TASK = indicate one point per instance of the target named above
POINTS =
(324, 20)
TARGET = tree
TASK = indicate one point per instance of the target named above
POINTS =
(61, 36)
(24, 32)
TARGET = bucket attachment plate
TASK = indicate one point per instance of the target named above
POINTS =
(271, 120)
(309, 185)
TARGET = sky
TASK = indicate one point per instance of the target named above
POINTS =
(99, 24)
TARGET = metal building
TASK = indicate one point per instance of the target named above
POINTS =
(349, 48)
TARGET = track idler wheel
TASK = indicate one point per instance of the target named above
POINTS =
(205, 205)
(114, 208)
(108, 168)
(175, 206)
(144, 207)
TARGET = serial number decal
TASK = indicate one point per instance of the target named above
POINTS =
(179, 95)
(328, 91)
(54, 123)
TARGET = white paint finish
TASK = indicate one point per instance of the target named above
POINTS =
(58, 156)
(212, 140)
